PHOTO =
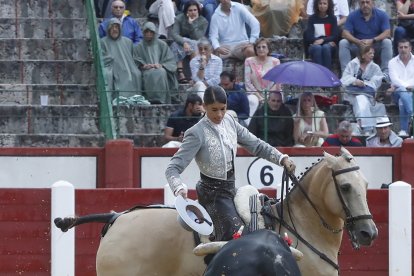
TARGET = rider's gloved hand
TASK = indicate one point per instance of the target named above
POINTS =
(181, 190)
(289, 165)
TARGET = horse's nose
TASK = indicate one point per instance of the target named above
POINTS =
(369, 235)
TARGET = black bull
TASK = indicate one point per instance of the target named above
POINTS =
(262, 252)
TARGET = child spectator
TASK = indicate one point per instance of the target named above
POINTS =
(322, 33)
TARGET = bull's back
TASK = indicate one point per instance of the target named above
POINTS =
(148, 242)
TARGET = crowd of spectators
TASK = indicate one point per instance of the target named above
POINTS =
(139, 61)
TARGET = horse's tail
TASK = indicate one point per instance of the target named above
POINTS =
(69, 222)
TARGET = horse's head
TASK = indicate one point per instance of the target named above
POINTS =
(348, 198)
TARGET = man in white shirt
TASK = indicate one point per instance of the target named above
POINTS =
(401, 69)
(228, 33)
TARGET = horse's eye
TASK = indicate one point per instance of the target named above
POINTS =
(346, 187)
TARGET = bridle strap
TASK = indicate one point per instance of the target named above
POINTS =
(350, 220)
(350, 169)
(299, 237)
(323, 222)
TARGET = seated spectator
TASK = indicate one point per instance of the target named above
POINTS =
(277, 17)
(130, 27)
(402, 78)
(205, 68)
(254, 70)
(183, 119)
(384, 137)
(342, 137)
(405, 16)
(120, 71)
(188, 28)
(341, 11)
(366, 26)
(103, 8)
(156, 62)
(228, 32)
(279, 122)
(361, 79)
(322, 33)
(207, 10)
(236, 97)
(310, 126)
(165, 11)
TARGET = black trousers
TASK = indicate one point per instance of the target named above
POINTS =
(216, 196)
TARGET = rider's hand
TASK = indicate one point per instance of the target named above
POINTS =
(288, 165)
(183, 193)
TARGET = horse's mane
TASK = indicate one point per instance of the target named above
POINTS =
(347, 156)
(308, 169)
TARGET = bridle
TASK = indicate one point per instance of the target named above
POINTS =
(349, 221)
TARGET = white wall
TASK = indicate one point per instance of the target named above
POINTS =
(42, 172)
(377, 170)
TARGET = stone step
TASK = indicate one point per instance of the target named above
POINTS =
(145, 124)
(47, 72)
(57, 119)
(41, 8)
(58, 94)
(29, 27)
(143, 119)
(146, 139)
(45, 49)
(52, 140)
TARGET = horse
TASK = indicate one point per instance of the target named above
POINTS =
(329, 196)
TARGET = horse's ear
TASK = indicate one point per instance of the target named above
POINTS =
(330, 159)
(344, 151)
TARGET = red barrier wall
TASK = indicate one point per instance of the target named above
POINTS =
(25, 230)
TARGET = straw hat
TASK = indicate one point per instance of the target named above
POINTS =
(193, 216)
(383, 122)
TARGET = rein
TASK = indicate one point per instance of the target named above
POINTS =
(349, 222)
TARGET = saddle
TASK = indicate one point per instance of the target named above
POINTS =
(250, 204)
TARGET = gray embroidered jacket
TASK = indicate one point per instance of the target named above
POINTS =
(204, 143)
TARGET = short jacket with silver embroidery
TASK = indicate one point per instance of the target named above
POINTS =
(204, 143)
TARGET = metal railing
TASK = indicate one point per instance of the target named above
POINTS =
(106, 118)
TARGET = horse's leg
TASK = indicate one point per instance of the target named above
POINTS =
(69, 222)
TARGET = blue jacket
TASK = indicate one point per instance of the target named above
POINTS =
(130, 29)
(237, 100)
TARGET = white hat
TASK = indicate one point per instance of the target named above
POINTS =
(193, 216)
(383, 122)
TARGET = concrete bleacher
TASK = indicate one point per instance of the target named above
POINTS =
(46, 51)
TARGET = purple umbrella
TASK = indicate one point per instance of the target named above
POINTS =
(302, 73)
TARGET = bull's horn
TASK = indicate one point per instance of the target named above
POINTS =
(208, 248)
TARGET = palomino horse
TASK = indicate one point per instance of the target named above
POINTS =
(331, 195)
